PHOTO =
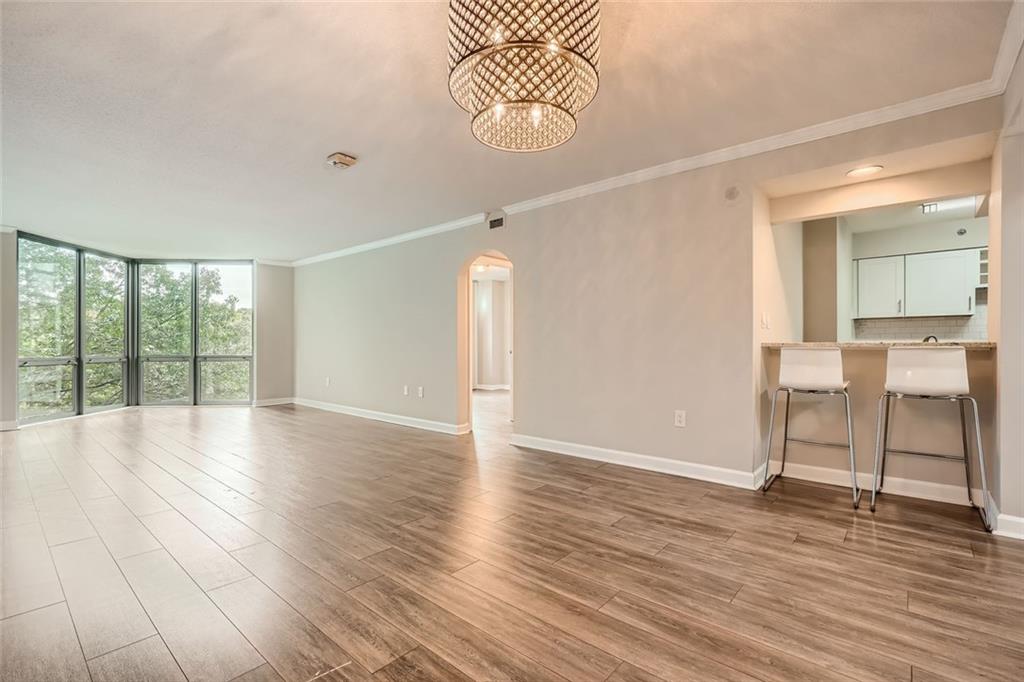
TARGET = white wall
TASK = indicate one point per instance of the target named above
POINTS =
(1006, 213)
(630, 303)
(493, 336)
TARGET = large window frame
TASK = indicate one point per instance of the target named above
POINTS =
(132, 360)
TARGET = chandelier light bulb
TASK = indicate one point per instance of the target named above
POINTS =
(523, 70)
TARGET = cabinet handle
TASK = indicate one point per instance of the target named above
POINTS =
(970, 302)
(899, 306)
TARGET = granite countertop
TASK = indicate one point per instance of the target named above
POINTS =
(876, 345)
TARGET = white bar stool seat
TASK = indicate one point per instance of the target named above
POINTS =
(921, 373)
(815, 371)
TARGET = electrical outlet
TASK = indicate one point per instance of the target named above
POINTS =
(327, 381)
(419, 391)
(680, 419)
(405, 389)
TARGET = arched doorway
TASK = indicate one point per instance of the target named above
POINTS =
(485, 348)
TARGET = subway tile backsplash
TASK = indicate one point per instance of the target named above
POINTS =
(968, 327)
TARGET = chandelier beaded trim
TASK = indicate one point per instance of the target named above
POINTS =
(523, 70)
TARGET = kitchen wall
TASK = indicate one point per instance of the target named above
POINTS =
(630, 303)
(940, 236)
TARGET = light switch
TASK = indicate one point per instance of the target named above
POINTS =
(419, 391)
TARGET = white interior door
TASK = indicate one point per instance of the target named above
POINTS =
(941, 283)
(880, 287)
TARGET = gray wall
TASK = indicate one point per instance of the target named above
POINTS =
(820, 279)
(275, 325)
(8, 331)
(630, 303)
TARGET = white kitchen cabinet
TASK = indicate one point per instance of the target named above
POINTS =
(880, 287)
(941, 283)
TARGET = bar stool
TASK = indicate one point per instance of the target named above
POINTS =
(818, 371)
(928, 374)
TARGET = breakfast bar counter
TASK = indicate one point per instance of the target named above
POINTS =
(877, 345)
(929, 426)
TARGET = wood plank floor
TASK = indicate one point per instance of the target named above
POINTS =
(293, 544)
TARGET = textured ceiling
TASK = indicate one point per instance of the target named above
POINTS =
(200, 129)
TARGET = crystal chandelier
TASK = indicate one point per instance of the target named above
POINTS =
(523, 70)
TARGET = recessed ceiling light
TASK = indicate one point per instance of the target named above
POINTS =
(340, 160)
(863, 171)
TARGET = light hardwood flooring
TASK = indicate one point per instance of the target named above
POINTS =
(290, 543)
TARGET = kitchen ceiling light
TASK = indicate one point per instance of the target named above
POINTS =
(523, 70)
(863, 171)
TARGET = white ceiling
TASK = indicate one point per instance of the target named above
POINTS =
(200, 129)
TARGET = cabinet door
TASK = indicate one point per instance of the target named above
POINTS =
(942, 283)
(880, 287)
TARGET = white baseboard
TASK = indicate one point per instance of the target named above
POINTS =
(492, 387)
(702, 472)
(905, 487)
(267, 402)
(1004, 524)
(1009, 526)
(8, 426)
(401, 420)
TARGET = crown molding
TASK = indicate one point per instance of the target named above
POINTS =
(995, 85)
(924, 105)
(1009, 46)
(475, 219)
(277, 263)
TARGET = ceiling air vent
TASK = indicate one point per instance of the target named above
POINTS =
(339, 160)
(495, 219)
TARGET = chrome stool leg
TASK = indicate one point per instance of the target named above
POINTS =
(785, 433)
(768, 478)
(853, 459)
(890, 410)
(883, 403)
(982, 508)
(967, 452)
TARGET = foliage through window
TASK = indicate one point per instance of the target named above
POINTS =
(79, 351)
(47, 319)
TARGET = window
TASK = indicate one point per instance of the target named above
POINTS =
(104, 322)
(225, 332)
(47, 330)
(165, 333)
(98, 331)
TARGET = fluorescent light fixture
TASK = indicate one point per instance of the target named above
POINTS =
(863, 171)
(947, 205)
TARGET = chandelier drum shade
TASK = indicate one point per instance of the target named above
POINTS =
(523, 70)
